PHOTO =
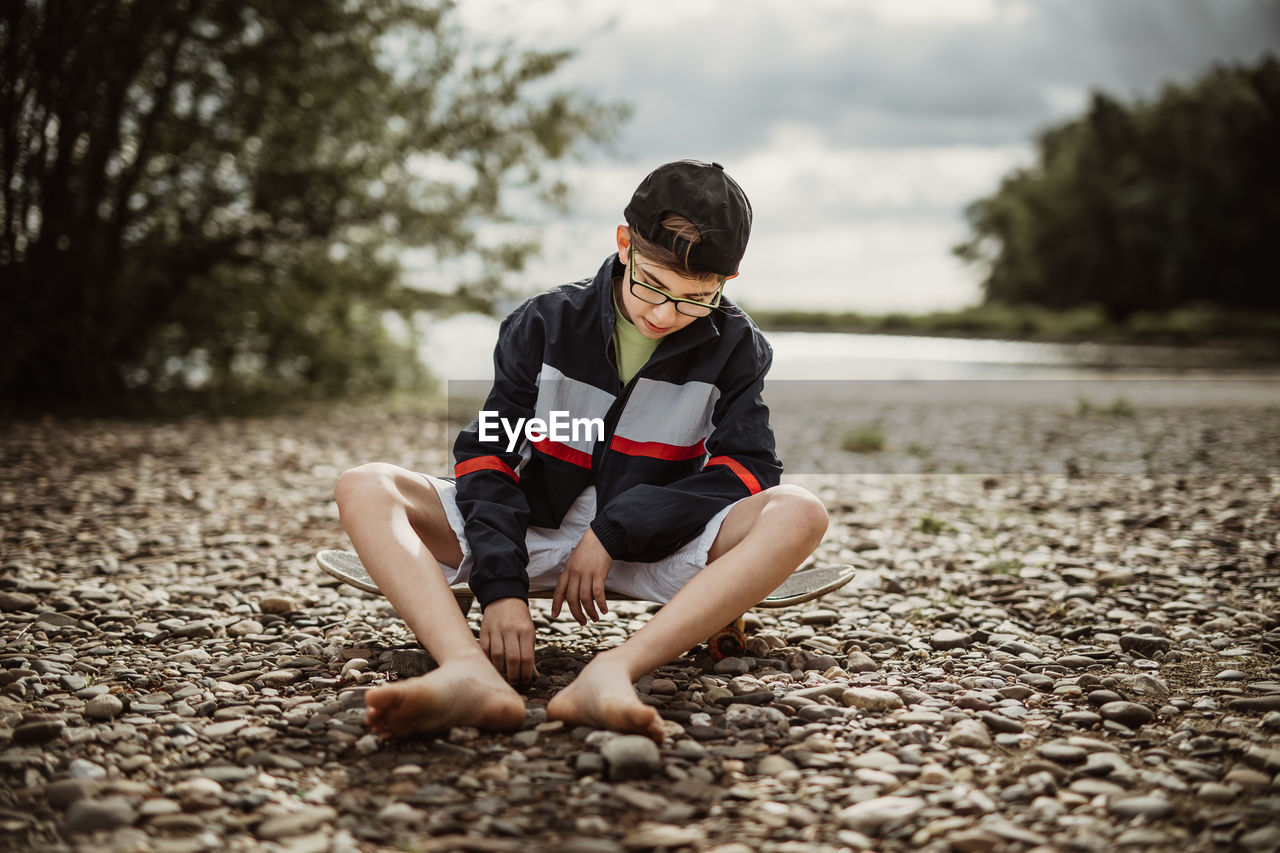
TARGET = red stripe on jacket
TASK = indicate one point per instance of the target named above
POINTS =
(563, 452)
(484, 463)
(657, 450)
(752, 484)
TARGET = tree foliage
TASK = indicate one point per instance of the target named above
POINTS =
(1147, 206)
(216, 193)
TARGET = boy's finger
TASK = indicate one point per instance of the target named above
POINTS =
(575, 602)
(598, 588)
(557, 597)
(526, 660)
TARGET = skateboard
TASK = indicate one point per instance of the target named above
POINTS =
(730, 641)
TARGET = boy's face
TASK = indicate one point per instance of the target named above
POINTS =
(658, 321)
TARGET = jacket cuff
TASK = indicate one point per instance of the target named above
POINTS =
(502, 588)
(611, 536)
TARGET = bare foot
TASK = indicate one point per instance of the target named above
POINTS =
(602, 697)
(456, 694)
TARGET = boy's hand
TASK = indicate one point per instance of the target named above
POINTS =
(581, 584)
(506, 637)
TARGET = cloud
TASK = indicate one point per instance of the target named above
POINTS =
(860, 128)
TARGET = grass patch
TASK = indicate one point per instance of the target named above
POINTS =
(933, 526)
(1117, 408)
(868, 438)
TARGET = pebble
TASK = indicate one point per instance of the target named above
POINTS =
(173, 692)
(631, 757)
(1062, 753)
(872, 815)
(1152, 808)
(1130, 714)
(870, 699)
(948, 639)
(104, 707)
(860, 662)
(295, 823)
(969, 733)
(93, 815)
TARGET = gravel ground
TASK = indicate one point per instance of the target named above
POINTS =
(1032, 656)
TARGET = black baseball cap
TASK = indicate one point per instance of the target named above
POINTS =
(704, 194)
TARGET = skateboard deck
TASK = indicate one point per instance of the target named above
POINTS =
(803, 585)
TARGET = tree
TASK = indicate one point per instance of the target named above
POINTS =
(1150, 206)
(215, 193)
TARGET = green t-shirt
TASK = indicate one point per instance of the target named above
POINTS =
(632, 348)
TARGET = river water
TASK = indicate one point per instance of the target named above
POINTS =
(461, 347)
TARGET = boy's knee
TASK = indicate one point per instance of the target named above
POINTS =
(363, 482)
(803, 511)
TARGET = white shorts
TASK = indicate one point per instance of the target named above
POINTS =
(549, 549)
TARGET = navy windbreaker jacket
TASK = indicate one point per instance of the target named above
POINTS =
(686, 437)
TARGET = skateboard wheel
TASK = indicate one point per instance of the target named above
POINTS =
(464, 602)
(729, 641)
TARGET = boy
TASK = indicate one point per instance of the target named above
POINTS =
(678, 501)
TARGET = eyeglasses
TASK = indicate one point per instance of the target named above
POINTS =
(652, 295)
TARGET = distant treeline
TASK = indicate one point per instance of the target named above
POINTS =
(1144, 207)
(1258, 332)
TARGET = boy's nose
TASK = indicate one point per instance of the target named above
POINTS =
(667, 311)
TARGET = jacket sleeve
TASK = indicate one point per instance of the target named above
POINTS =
(494, 508)
(648, 522)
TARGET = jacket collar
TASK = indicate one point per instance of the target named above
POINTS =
(701, 330)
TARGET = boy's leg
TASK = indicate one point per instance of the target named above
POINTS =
(398, 527)
(762, 541)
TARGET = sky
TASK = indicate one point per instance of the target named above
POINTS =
(860, 129)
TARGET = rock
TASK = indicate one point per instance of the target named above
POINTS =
(408, 663)
(1247, 778)
(1062, 753)
(1152, 808)
(1255, 704)
(17, 602)
(1213, 792)
(969, 733)
(872, 815)
(631, 757)
(869, 699)
(38, 731)
(79, 768)
(742, 716)
(106, 706)
(949, 639)
(860, 662)
(649, 835)
(732, 666)
(1130, 714)
(277, 604)
(244, 628)
(772, 765)
(197, 794)
(819, 617)
(64, 792)
(1000, 723)
(1265, 839)
(1263, 758)
(1145, 645)
(94, 815)
(295, 823)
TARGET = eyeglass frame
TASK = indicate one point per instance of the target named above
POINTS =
(667, 297)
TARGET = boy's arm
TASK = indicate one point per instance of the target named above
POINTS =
(494, 508)
(646, 522)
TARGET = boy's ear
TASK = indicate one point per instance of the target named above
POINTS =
(624, 239)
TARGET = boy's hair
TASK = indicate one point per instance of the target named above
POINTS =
(686, 234)
(712, 220)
